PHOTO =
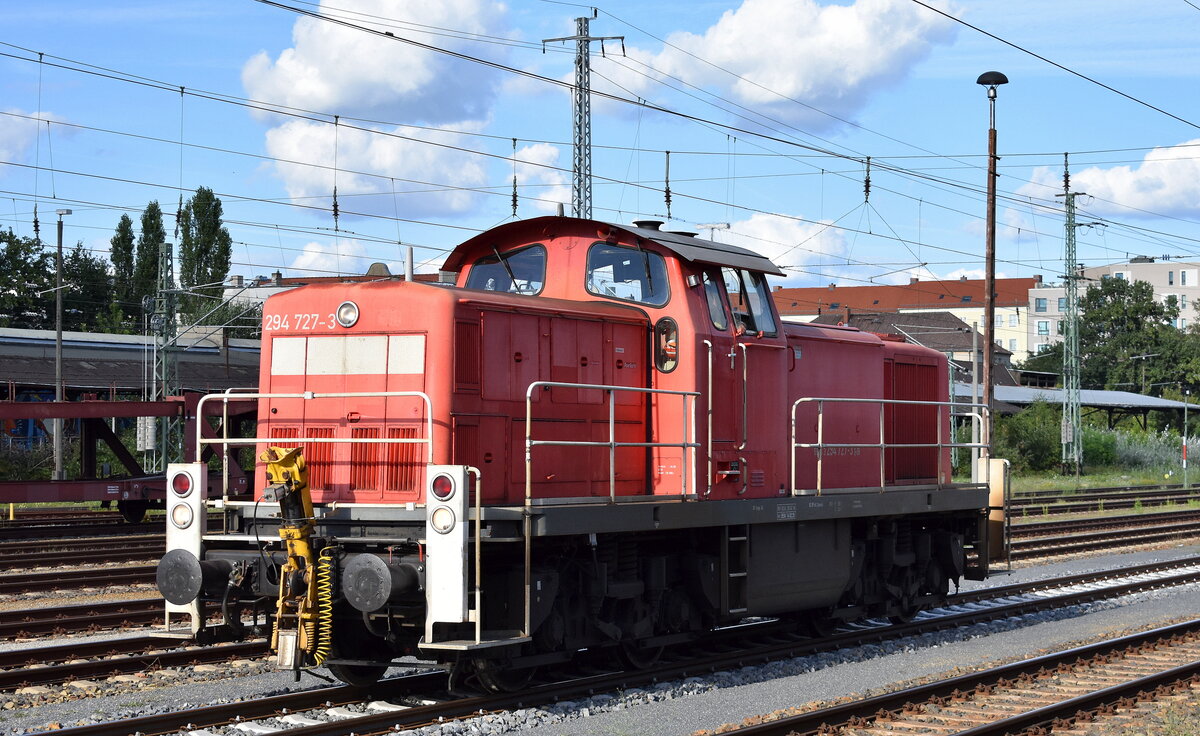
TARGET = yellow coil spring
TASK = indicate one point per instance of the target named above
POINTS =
(324, 606)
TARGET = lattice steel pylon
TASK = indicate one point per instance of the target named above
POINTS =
(581, 113)
(166, 360)
(1072, 432)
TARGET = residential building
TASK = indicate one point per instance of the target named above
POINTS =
(962, 297)
(1048, 304)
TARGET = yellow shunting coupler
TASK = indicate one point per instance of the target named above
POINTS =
(302, 636)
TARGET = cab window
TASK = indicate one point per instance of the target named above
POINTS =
(520, 271)
(749, 300)
(666, 345)
(627, 274)
(714, 296)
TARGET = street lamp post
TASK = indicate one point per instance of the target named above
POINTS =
(58, 378)
(991, 80)
(1187, 396)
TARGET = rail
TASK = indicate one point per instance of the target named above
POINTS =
(236, 393)
(977, 412)
(687, 446)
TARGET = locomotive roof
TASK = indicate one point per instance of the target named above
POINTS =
(685, 246)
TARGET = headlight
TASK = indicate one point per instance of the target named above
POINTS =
(442, 487)
(347, 314)
(442, 519)
(181, 516)
(181, 484)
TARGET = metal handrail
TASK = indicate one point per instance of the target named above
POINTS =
(977, 414)
(225, 441)
(689, 429)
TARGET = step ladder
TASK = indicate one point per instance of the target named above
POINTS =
(736, 563)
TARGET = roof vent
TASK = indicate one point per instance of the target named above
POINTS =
(648, 224)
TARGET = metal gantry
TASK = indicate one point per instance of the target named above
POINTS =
(581, 109)
(166, 362)
(1072, 434)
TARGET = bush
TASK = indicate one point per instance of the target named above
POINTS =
(1031, 440)
(1099, 447)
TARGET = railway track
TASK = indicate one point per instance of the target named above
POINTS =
(83, 578)
(421, 699)
(1096, 502)
(1055, 691)
(81, 660)
(1031, 541)
(25, 555)
(84, 617)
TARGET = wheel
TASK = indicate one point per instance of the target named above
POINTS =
(133, 511)
(908, 611)
(358, 675)
(638, 657)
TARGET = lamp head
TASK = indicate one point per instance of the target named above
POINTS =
(60, 213)
(992, 80)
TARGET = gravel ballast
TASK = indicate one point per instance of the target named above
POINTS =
(697, 703)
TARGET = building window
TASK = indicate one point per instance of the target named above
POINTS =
(1062, 304)
(1183, 323)
(1014, 320)
(1060, 327)
(1119, 275)
(1170, 278)
(1183, 301)
(1043, 347)
(1012, 345)
(998, 320)
(1043, 327)
(1039, 304)
(1183, 278)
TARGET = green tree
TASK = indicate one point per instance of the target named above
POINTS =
(149, 244)
(205, 249)
(86, 293)
(121, 255)
(26, 268)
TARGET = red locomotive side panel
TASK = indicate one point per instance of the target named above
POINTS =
(598, 345)
(844, 363)
(915, 373)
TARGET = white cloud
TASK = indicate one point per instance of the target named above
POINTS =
(829, 57)
(343, 256)
(429, 179)
(551, 186)
(339, 70)
(787, 242)
(336, 70)
(1166, 182)
(17, 134)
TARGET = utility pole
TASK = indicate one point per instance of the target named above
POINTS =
(1072, 434)
(990, 80)
(581, 108)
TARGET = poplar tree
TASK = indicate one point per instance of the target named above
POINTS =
(121, 255)
(205, 250)
(149, 244)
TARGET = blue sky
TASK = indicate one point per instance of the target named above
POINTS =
(784, 101)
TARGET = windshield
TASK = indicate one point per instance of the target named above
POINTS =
(629, 274)
(519, 271)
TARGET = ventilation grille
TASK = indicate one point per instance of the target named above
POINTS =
(364, 459)
(466, 356)
(319, 457)
(405, 461)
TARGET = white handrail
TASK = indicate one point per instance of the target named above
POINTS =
(979, 411)
(687, 445)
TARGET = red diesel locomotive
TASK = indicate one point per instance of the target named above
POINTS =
(600, 436)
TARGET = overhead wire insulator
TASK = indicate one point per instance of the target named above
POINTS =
(667, 186)
(867, 182)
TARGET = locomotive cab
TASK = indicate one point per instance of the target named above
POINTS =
(600, 437)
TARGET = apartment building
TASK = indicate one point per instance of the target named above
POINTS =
(962, 298)
(1048, 304)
